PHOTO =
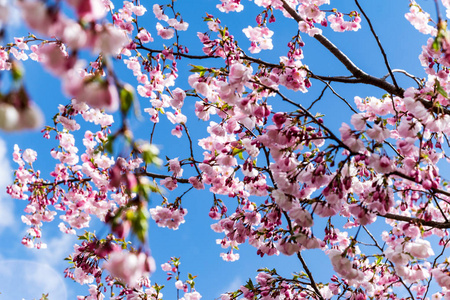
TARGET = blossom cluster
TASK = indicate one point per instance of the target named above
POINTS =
(280, 178)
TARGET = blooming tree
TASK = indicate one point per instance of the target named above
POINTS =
(280, 177)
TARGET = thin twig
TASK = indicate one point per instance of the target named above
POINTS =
(306, 112)
(440, 208)
(179, 54)
(392, 265)
(339, 96)
(191, 148)
(434, 265)
(320, 97)
(386, 62)
(415, 78)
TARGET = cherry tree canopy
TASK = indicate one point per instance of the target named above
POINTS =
(156, 112)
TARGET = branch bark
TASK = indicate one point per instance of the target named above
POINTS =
(434, 224)
(160, 176)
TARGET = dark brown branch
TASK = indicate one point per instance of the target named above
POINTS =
(178, 53)
(433, 224)
(306, 112)
(73, 180)
(308, 272)
(260, 62)
(84, 180)
(440, 208)
(160, 176)
(342, 79)
(429, 105)
(436, 191)
(320, 97)
(191, 149)
(356, 72)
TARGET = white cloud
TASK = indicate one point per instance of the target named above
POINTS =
(6, 203)
(36, 273)
(234, 285)
(58, 248)
(9, 13)
(6, 212)
(23, 279)
(5, 179)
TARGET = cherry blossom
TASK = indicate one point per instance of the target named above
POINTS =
(369, 195)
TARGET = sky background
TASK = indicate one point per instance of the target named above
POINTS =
(40, 271)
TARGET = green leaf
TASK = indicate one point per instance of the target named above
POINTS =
(126, 98)
(241, 156)
(176, 261)
(139, 222)
(197, 69)
(378, 260)
(44, 297)
(192, 284)
(158, 288)
(150, 154)
(144, 189)
(108, 146)
(17, 70)
(436, 44)
(439, 88)
(442, 91)
(238, 152)
(250, 285)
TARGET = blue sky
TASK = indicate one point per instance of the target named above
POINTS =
(194, 242)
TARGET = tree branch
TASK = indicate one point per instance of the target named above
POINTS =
(434, 224)
(401, 175)
(178, 53)
(341, 79)
(306, 112)
(390, 262)
(320, 97)
(386, 62)
(160, 176)
(356, 72)
(415, 78)
(339, 96)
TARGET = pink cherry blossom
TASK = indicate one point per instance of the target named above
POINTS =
(276, 170)
(260, 37)
(129, 267)
(144, 36)
(89, 10)
(99, 94)
(419, 19)
(165, 33)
